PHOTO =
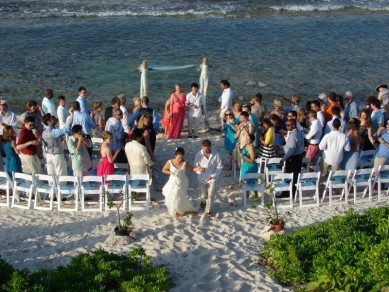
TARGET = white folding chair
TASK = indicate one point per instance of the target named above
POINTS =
(337, 180)
(22, 183)
(121, 168)
(306, 165)
(6, 185)
(253, 182)
(275, 164)
(114, 184)
(68, 187)
(382, 177)
(138, 184)
(261, 162)
(363, 178)
(96, 144)
(45, 184)
(281, 182)
(316, 167)
(308, 181)
(366, 159)
(91, 187)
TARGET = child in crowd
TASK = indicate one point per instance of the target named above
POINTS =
(106, 165)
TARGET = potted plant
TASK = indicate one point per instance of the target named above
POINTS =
(275, 218)
(124, 227)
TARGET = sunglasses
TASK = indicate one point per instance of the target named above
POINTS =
(228, 114)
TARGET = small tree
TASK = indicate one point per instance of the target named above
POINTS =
(126, 224)
(273, 215)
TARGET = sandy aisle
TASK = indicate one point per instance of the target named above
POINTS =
(202, 254)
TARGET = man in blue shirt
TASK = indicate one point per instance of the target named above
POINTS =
(82, 100)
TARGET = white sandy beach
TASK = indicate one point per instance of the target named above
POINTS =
(201, 254)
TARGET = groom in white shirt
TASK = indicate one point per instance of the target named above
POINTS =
(210, 161)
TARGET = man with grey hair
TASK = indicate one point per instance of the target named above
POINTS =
(351, 109)
(114, 126)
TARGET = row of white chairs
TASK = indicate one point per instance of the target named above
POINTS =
(72, 192)
(337, 186)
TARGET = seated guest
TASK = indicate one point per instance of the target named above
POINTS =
(28, 146)
(77, 145)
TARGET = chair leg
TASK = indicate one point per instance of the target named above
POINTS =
(244, 199)
(300, 196)
(330, 195)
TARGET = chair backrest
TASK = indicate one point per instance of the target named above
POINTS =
(259, 177)
(274, 163)
(67, 178)
(22, 176)
(364, 174)
(121, 168)
(366, 159)
(145, 177)
(316, 167)
(115, 177)
(306, 164)
(309, 175)
(339, 176)
(383, 171)
(45, 178)
(5, 176)
(282, 177)
(91, 178)
(261, 162)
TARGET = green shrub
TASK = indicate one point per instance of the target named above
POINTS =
(98, 271)
(348, 253)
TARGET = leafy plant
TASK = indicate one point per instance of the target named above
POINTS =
(349, 253)
(98, 271)
(126, 223)
(273, 215)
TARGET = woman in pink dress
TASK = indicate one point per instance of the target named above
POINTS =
(106, 165)
(177, 113)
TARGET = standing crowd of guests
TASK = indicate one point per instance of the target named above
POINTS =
(331, 126)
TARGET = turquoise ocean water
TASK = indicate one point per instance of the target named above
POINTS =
(276, 47)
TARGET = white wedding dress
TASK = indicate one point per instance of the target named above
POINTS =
(175, 191)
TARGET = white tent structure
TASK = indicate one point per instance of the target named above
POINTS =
(203, 82)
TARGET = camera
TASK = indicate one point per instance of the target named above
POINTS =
(84, 135)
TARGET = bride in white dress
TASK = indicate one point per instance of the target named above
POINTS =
(175, 190)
